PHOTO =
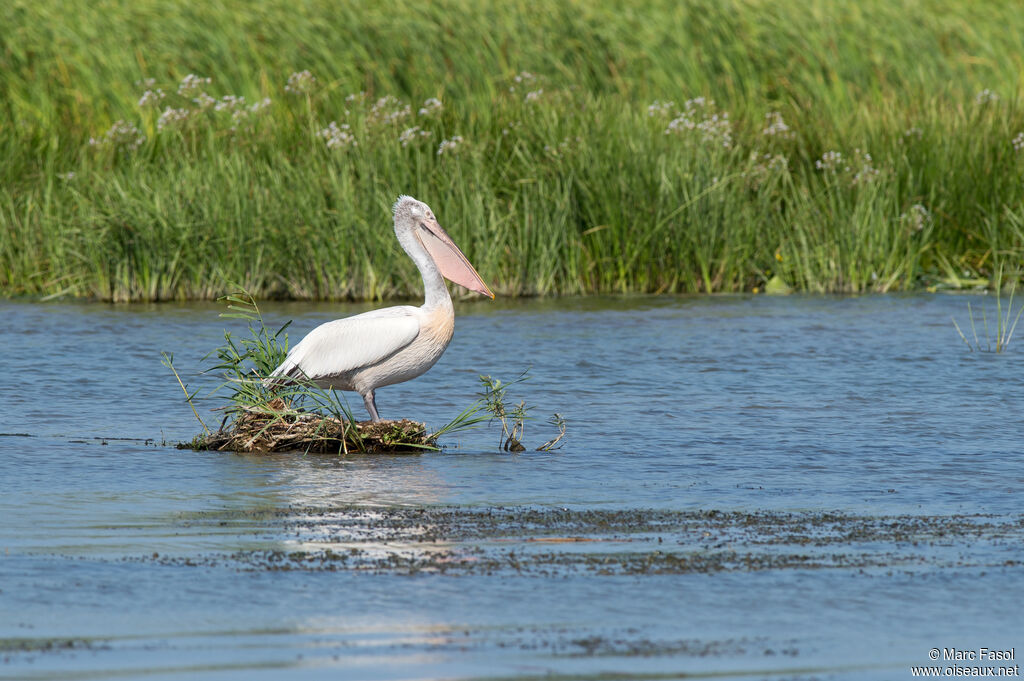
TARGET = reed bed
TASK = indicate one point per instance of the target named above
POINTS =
(169, 150)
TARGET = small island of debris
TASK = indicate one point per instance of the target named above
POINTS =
(275, 427)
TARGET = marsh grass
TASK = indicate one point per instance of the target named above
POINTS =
(1005, 324)
(547, 157)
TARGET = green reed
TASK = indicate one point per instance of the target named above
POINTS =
(548, 159)
(1005, 321)
(495, 401)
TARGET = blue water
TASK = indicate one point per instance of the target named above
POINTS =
(792, 407)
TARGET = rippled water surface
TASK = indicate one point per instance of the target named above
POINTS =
(751, 487)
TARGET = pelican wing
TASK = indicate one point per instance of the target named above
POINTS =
(352, 343)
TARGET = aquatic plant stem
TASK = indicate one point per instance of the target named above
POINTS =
(962, 336)
(168, 361)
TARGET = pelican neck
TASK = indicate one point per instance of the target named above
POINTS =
(434, 289)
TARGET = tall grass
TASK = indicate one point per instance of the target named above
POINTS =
(563, 179)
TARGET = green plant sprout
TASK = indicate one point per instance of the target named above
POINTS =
(494, 400)
(1004, 326)
(513, 420)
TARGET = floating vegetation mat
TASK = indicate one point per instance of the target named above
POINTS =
(275, 428)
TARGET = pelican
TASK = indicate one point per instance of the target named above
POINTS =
(388, 346)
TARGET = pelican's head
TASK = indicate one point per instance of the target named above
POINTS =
(414, 218)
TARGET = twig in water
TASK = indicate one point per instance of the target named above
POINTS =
(168, 361)
(558, 421)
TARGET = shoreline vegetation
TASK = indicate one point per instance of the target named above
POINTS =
(170, 151)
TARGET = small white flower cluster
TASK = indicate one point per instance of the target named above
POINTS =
(687, 119)
(146, 83)
(680, 123)
(151, 98)
(301, 82)
(913, 132)
(533, 95)
(717, 129)
(660, 108)
(830, 161)
(449, 145)
(413, 134)
(337, 137)
(241, 114)
(917, 218)
(397, 115)
(229, 103)
(358, 96)
(511, 127)
(866, 172)
(860, 167)
(430, 107)
(1018, 142)
(389, 109)
(521, 78)
(986, 96)
(204, 101)
(67, 177)
(122, 135)
(176, 117)
(172, 118)
(699, 114)
(763, 166)
(776, 126)
(191, 84)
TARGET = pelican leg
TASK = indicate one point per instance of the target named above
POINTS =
(371, 405)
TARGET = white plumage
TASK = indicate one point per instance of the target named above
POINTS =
(345, 345)
(388, 346)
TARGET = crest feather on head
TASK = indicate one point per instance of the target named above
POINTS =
(406, 203)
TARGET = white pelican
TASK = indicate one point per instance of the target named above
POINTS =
(383, 347)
